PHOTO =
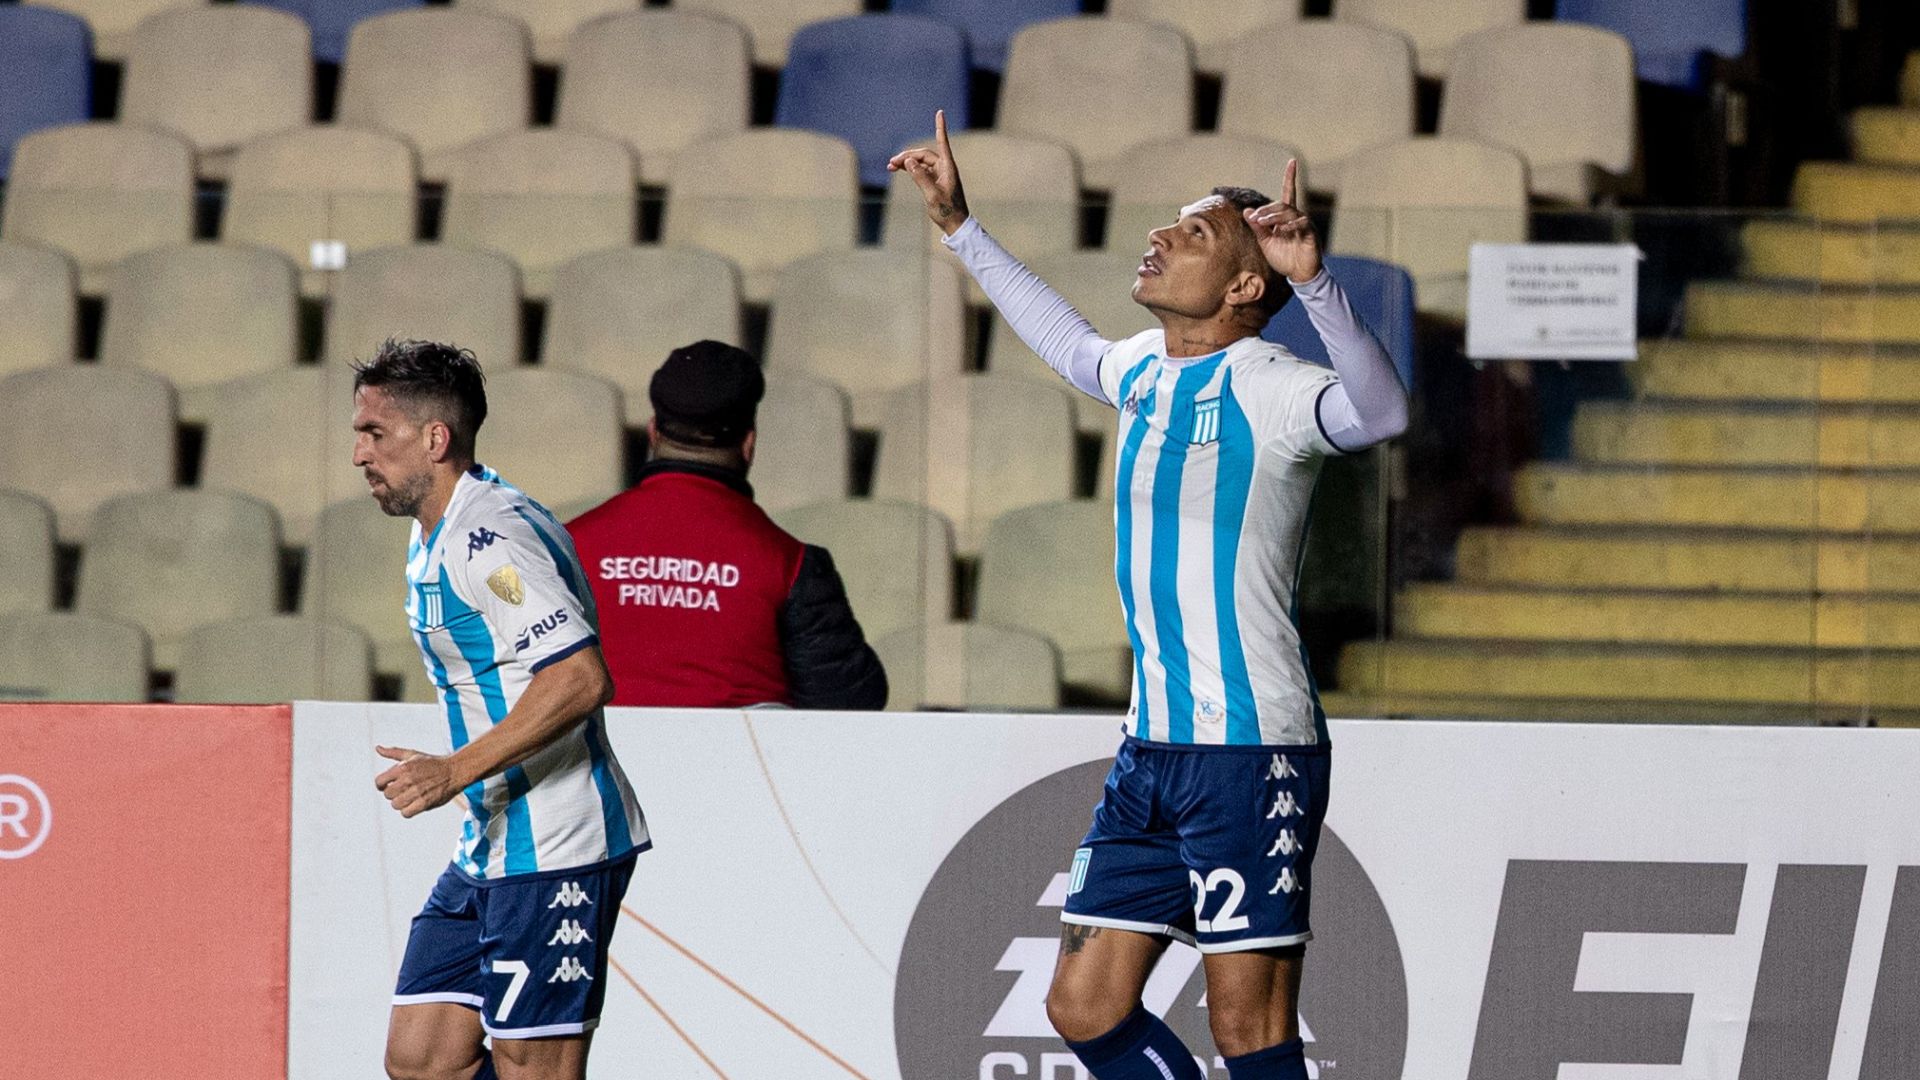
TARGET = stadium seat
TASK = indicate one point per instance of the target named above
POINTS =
(869, 321)
(169, 561)
(1559, 95)
(286, 438)
(1102, 87)
(875, 81)
(356, 575)
(60, 656)
(974, 447)
(658, 81)
(330, 20)
(1434, 28)
(989, 24)
(1670, 41)
(352, 185)
(1049, 570)
(447, 294)
(219, 76)
(272, 659)
(1329, 88)
(1382, 295)
(803, 451)
(551, 22)
(771, 26)
(1423, 203)
(26, 535)
(555, 435)
(201, 314)
(723, 197)
(1214, 27)
(80, 434)
(1183, 169)
(99, 192)
(438, 77)
(969, 666)
(113, 22)
(46, 61)
(542, 197)
(38, 323)
(617, 314)
(896, 558)
(1100, 285)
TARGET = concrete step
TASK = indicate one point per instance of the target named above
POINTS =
(1711, 370)
(1844, 191)
(1789, 500)
(1769, 620)
(1580, 711)
(1833, 436)
(1832, 253)
(1552, 671)
(1739, 309)
(1674, 559)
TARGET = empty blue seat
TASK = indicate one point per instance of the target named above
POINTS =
(1670, 41)
(46, 61)
(989, 24)
(875, 80)
(1382, 296)
(332, 20)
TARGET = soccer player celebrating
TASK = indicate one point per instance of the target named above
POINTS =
(512, 943)
(1207, 827)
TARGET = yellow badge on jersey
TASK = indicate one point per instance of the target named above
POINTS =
(505, 583)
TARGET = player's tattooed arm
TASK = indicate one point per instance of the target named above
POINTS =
(1073, 938)
(933, 169)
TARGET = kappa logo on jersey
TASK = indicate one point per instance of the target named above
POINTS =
(541, 629)
(1284, 806)
(570, 970)
(431, 616)
(570, 932)
(480, 540)
(571, 895)
(1206, 422)
(1281, 769)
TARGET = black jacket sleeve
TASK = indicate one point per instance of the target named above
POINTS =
(829, 663)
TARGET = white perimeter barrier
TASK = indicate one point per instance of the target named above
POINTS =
(877, 896)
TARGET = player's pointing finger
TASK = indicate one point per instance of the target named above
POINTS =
(1287, 185)
(940, 133)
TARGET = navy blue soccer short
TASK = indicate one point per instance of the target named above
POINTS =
(529, 951)
(1212, 845)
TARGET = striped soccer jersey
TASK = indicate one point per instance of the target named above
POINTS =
(494, 594)
(1218, 457)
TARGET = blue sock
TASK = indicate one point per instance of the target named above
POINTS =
(486, 1067)
(1286, 1061)
(1140, 1048)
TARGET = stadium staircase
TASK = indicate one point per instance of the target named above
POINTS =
(1739, 541)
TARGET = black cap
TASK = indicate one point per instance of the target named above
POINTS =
(706, 394)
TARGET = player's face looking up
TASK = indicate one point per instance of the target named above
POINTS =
(1205, 264)
(395, 450)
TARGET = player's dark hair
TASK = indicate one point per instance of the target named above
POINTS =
(444, 381)
(1242, 198)
(1279, 290)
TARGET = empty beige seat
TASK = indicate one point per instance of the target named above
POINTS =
(99, 192)
(803, 449)
(273, 659)
(552, 21)
(541, 198)
(60, 656)
(356, 575)
(427, 291)
(219, 76)
(170, 561)
(1434, 28)
(974, 447)
(659, 81)
(286, 438)
(1100, 285)
(1100, 86)
(724, 198)
(202, 314)
(1329, 88)
(969, 666)
(26, 535)
(895, 557)
(438, 77)
(618, 313)
(1423, 203)
(37, 308)
(350, 185)
(113, 21)
(869, 321)
(1213, 26)
(1049, 569)
(1025, 191)
(1558, 94)
(556, 435)
(1185, 169)
(771, 26)
(81, 434)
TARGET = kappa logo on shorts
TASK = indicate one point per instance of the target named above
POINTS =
(1287, 883)
(569, 933)
(1281, 769)
(480, 540)
(1284, 806)
(571, 895)
(570, 970)
(1285, 844)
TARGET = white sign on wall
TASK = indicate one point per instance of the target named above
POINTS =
(1552, 301)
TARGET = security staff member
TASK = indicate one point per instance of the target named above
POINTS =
(704, 601)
